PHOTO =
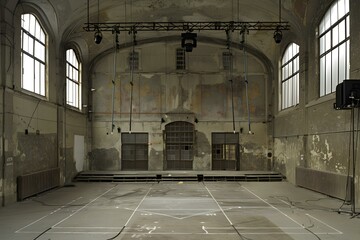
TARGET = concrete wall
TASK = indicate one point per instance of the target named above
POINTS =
(313, 134)
(51, 126)
(202, 91)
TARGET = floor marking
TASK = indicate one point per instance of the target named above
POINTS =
(83, 207)
(218, 205)
(274, 207)
(51, 213)
(203, 228)
(174, 233)
(179, 218)
(339, 232)
(142, 200)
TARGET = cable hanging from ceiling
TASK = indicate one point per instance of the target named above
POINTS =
(116, 48)
(243, 33)
(132, 68)
(231, 75)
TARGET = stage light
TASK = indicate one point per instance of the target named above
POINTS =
(278, 35)
(188, 41)
(98, 36)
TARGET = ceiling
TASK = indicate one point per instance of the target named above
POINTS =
(68, 17)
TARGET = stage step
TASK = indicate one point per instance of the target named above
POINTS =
(178, 177)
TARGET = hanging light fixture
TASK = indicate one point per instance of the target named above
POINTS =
(278, 32)
(188, 41)
(98, 35)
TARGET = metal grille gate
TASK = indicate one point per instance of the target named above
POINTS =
(225, 151)
(134, 151)
(179, 142)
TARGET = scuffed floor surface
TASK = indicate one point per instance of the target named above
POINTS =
(177, 210)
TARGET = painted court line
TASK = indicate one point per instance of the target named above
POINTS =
(38, 220)
(63, 220)
(339, 232)
(274, 207)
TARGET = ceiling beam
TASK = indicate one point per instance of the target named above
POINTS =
(185, 26)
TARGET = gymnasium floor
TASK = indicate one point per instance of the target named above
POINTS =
(178, 210)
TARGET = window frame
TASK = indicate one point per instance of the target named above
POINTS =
(77, 90)
(227, 60)
(330, 73)
(35, 38)
(180, 59)
(136, 61)
(290, 77)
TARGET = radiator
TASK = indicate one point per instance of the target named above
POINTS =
(34, 183)
(331, 184)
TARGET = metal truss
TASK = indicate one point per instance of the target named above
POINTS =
(185, 26)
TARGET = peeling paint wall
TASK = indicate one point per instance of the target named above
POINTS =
(313, 134)
(202, 91)
(48, 141)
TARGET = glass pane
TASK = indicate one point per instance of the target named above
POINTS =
(32, 25)
(37, 78)
(341, 8)
(25, 42)
(322, 44)
(342, 62)
(322, 26)
(328, 41)
(286, 94)
(335, 35)
(347, 7)
(39, 51)
(328, 73)
(335, 69)
(282, 95)
(291, 97)
(322, 76)
(327, 20)
(28, 73)
(347, 26)
(42, 79)
(291, 68)
(297, 88)
(297, 64)
(342, 29)
(334, 13)
(25, 21)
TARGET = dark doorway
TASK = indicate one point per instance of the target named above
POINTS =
(225, 151)
(134, 151)
(179, 142)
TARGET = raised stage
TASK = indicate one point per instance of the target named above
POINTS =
(153, 176)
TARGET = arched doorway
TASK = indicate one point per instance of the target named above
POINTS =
(179, 143)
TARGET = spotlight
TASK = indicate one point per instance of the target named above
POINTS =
(277, 35)
(98, 36)
(188, 41)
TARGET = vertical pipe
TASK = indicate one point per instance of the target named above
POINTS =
(113, 82)
(132, 83)
(88, 12)
(246, 85)
(353, 202)
(231, 77)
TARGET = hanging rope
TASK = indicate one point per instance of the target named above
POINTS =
(116, 47)
(132, 78)
(228, 36)
(244, 31)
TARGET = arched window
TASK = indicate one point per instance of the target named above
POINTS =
(334, 41)
(290, 76)
(33, 55)
(73, 79)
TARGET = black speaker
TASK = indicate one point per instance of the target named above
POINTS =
(347, 94)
